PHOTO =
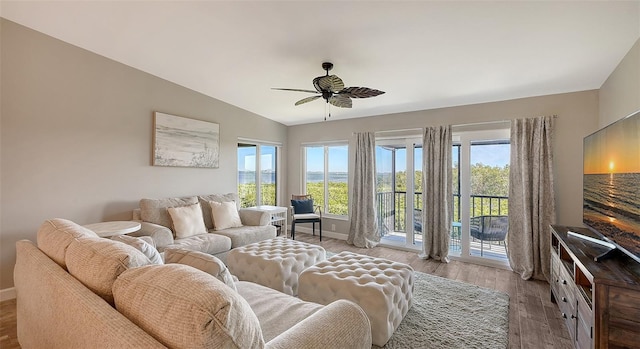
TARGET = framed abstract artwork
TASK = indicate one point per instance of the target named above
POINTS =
(184, 142)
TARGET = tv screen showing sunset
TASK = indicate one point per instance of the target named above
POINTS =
(611, 192)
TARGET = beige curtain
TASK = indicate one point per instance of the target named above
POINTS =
(437, 197)
(364, 227)
(531, 202)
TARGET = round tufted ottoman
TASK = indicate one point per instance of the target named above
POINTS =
(274, 263)
(382, 288)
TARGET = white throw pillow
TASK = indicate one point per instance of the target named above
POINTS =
(225, 215)
(141, 245)
(187, 220)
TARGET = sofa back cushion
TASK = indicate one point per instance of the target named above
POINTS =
(97, 262)
(183, 307)
(155, 210)
(55, 235)
(206, 206)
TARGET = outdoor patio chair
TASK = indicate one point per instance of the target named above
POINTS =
(489, 228)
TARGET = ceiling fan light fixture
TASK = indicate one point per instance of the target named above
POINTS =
(331, 88)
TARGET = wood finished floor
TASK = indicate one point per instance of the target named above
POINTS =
(534, 322)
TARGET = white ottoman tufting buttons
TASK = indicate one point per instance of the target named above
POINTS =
(274, 263)
(382, 288)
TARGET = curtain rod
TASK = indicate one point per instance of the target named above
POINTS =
(490, 122)
(457, 125)
(418, 129)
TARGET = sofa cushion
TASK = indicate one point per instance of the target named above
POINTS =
(225, 215)
(206, 207)
(155, 210)
(187, 220)
(142, 244)
(55, 235)
(183, 307)
(97, 262)
(207, 243)
(201, 261)
(247, 234)
(276, 311)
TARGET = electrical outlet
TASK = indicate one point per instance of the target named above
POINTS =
(333, 227)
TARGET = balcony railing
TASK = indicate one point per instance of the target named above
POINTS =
(391, 208)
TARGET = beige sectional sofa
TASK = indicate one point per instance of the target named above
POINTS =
(75, 290)
(157, 223)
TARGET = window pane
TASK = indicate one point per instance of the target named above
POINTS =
(315, 174)
(247, 174)
(384, 189)
(417, 177)
(455, 174)
(337, 180)
(489, 178)
(268, 166)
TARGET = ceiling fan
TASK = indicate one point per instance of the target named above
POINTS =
(332, 90)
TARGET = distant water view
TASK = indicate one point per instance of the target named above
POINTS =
(612, 203)
(245, 177)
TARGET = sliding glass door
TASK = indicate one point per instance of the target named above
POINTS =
(481, 189)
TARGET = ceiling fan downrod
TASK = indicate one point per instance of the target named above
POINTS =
(327, 66)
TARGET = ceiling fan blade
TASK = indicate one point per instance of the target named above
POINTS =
(340, 101)
(308, 99)
(360, 92)
(293, 89)
(328, 83)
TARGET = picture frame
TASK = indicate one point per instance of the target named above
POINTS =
(184, 142)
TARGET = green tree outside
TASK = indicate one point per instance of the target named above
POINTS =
(486, 180)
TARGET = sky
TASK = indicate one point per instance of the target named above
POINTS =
(247, 158)
(492, 155)
(614, 149)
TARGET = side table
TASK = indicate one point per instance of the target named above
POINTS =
(109, 229)
(278, 216)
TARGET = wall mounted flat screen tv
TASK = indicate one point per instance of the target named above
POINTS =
(611, 184)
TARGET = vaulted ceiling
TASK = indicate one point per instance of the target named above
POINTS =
(423, 54)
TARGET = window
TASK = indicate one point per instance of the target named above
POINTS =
(257, 174)
(326, 177)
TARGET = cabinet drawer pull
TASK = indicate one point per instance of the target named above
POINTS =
(564, 299)
(564, 282)
(564, 316)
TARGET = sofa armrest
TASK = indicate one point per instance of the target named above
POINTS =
(254, 217)
(161, 235)
(341, 324)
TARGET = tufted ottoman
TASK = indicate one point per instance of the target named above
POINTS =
(274, 263)
(382, 288)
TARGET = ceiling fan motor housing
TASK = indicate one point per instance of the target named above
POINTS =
(331, 88)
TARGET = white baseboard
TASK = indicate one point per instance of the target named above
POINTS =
(329, 234)
(7, 294)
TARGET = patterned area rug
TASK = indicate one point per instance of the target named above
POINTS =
(451, 314)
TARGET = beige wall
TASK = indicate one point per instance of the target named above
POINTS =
(76, 138)
(577, 117)
(620, 93)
